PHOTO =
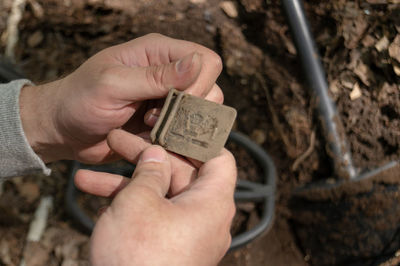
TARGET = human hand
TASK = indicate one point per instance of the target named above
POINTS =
(71, 117)
(143, 227)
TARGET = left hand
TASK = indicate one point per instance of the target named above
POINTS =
(71, 117)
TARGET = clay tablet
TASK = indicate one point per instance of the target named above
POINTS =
(193, 127)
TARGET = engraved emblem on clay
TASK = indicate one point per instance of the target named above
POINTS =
(192, 126)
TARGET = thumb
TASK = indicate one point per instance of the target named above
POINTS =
(154, 82)
(152, 174)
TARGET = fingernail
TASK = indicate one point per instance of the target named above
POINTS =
(185, 64)
(153, 154)
(152, 118)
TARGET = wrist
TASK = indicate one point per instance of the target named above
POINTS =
(37, 109)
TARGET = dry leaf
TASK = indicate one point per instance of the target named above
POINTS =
(356, 92)
(394, 49)
(382, 44)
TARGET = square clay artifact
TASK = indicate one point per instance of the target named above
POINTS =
(193, 127)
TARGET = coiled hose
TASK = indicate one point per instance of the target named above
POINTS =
(245, 191)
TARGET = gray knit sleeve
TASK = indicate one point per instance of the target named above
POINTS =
(16, 155)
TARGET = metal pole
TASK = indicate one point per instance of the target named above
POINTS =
(332, 127)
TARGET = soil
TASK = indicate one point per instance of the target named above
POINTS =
(359, 43)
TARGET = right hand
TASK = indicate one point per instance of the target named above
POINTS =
(143, 227)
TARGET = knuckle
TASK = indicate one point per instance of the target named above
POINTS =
(143, 194)
(216, 62)
(154, 35)
(228, 241)
(219, 96)
(232, 212)
(231, 158)
(108, 76)
(147, 172)
(154, 77)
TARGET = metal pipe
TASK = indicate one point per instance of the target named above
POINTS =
(332, 127)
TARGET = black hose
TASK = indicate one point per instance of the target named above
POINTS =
(83, 220)
(8, 71)
(79, 217)
(332, 127)
(246, 190)
(269, 177)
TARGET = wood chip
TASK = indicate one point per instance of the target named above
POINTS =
(334, 86)
(356, 92)
(396, 70)
(229, 8)
(394, 49)
(35, 39)
(362, 71)
(197, 2)
(382, 44)
(37, 9)
(39, 222)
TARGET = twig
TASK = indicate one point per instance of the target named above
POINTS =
(12, 35)
(39, 222)
(307, 153)
(274, 116)
(1, 187)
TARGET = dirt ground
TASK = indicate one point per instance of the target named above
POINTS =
(360, 46)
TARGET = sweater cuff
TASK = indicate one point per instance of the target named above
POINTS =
(16, 155)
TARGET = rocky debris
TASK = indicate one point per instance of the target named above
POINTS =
(240, 57)
(35, 254)
(258, 136)
(394, 49)
(252, 5)
(29, 190)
